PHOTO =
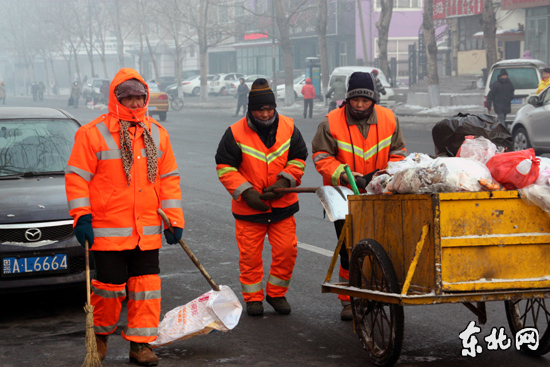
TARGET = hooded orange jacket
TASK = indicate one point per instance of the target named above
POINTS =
(123, 216)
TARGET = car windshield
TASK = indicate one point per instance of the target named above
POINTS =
(35, 145)
(154, 88)
(521, 78)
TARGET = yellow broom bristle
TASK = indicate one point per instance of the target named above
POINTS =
(92, 357)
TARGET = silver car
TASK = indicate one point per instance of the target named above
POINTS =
(530, 129)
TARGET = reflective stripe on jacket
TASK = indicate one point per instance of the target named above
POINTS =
(123, 216)
(363, 155)
(261, 166)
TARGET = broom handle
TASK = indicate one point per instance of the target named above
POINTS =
(285, 190)
(87, 257)
(190, 253)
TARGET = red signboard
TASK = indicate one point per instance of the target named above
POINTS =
(520, 4)
(255, 36)
(456, 8)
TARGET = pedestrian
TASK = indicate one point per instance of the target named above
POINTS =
(41, 90)
(545, 82)
(501, 94)
(379, 87)
(362, 135)
(242, 94)
(104, 91)
(114, 194)
(2, 92)
(337, 92)
(34, 91)
(308, 90)
(258, 154)
(75, 94)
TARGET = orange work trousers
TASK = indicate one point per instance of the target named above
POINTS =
(143, 307)
(250, 239)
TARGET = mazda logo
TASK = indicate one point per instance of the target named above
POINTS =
(33, 234)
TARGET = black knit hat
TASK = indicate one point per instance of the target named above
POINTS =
(361, 85)
(261, 95)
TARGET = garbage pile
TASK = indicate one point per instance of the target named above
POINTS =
(475, 163)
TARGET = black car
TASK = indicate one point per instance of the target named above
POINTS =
(38, 248)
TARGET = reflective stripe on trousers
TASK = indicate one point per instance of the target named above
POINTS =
(107, 301)
(250, 239)
(143, 309)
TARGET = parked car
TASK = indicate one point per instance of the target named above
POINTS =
(37, 243)
(524, 74)
(248, 80)
(220, 84)
(91, 91)
(158, 102)
(298, 83)
(387, 100)
(191, 86)
(163, 82)
(530, 128)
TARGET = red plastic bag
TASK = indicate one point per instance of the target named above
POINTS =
(515, 170)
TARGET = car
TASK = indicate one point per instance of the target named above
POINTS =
(158, 102)
(163, 82)
(388, 100)
(525, 75)
(530, 127)
(38, 248)
(220, 84)
(191, 86)
(298, 83)
(92, 90)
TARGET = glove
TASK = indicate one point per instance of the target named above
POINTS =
(173, 238)
(83, 230)
(344, 178)
(252, 199)
(268, 194)
(363, 181)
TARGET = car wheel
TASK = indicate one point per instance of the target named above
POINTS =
(162, 116)
(197, 91)
(222, 91)
(521, 140)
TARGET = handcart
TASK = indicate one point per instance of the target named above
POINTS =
(465, 247)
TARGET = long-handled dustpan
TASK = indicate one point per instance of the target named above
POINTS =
(216, 310)
(333, 198)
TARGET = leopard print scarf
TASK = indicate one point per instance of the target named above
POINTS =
(128, 153)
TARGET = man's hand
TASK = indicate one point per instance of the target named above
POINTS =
(344, 177)
(252, 199)
(268, 194)
(363, 181)
(173, 238)
(83, 230)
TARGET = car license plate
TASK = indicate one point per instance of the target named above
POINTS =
(152, 108)
(14, 266)
(517, 101)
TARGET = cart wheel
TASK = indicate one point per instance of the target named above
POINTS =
(530, 313)
(380, 326)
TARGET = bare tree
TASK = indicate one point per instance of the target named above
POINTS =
(283, 16)
(383, 26)
(489, 26)
(322, 17)
(431, 53)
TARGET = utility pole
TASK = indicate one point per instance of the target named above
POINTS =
(362, 25)
(273, 59)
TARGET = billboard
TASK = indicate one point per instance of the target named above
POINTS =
(519, 4)
(457, 8)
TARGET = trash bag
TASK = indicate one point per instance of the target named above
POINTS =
(515, 170)
(448, 134)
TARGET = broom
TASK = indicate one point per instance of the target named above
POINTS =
(92, 358)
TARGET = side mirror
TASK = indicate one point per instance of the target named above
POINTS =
(533, 100)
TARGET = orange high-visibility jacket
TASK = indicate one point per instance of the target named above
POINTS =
(362, 155)
(261, 166)
(123, 216)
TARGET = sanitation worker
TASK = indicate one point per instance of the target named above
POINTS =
(121, 170)
(257, 154)
(362, 135)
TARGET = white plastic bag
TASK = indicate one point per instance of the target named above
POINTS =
(544, 172)
(479, 149)
(210, 312)
(538, 195)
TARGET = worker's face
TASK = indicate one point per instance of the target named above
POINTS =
(264, 114)
(360, 103)
(133, 102)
